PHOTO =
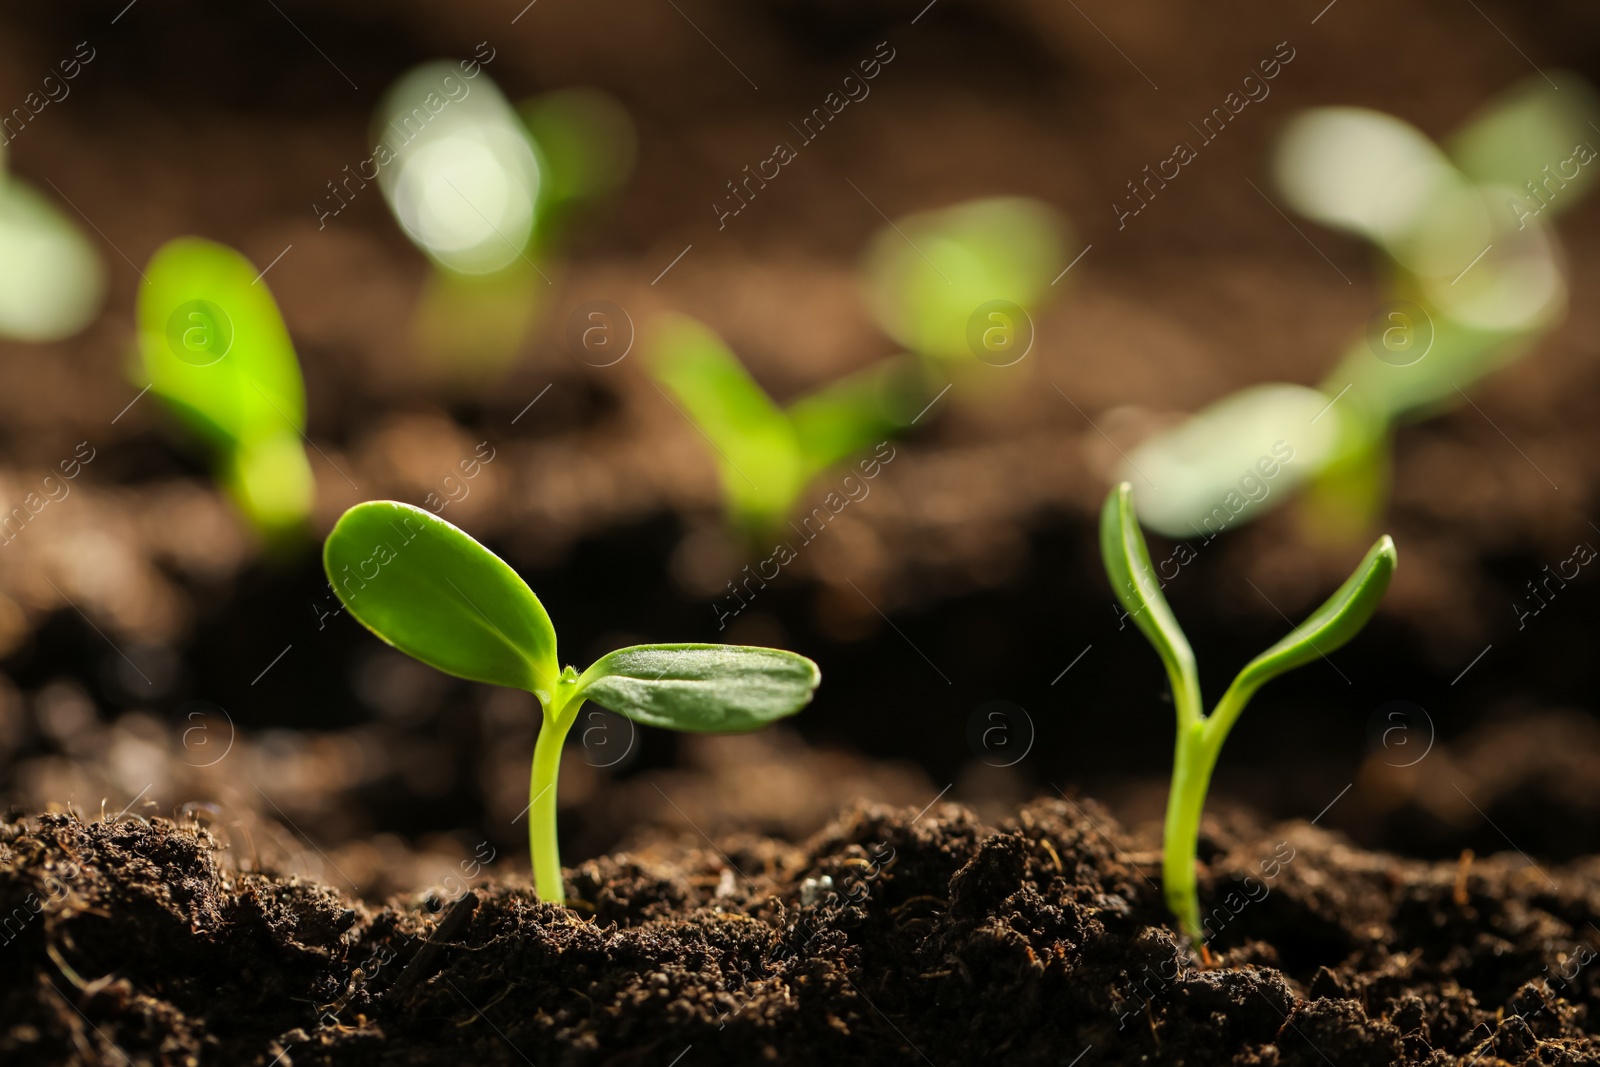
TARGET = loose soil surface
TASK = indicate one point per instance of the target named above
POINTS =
(891, 936)
(141, 592)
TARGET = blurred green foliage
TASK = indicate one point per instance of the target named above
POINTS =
(51, 278)
(767, 455)
(216, 352)
(926, 275)
(955, 286)
(486, 191)
(1472, 276)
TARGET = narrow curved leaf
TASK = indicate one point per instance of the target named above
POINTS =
(703, 688)
(1133, 579)
(853, 414)
(1339, 619)
(433, 592)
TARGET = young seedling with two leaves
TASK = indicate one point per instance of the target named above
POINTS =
(1200, 736)
(433, 592)
(949, 285)
(767, 455)
(1473, 276)
(216, 352)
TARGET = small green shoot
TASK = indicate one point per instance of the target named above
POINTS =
(433, 592)
(216, 351)
(766, 455)
(1200, 737)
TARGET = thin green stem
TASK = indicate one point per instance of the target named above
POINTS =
(1199, 745)
(543, 843)
(1185, 681)
(1181, 834)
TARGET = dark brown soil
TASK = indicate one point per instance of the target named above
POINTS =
(1041, 940)
(143, 590)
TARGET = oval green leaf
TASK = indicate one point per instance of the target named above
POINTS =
(214, 345)
(1133, 579)
(433, 592)
(701, 688)
(457, 169)
(1237, 459)
(1529, 126)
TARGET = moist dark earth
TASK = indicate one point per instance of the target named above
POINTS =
(891, 936)
(143, 593)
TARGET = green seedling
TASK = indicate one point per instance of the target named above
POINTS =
(962, 281)
(949, 284)
(1200, 737)
(215, 350)
(51, 279)
(1473, 278)
(483, 189)
(433, 592)
(767, 455)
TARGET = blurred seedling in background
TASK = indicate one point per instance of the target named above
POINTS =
(965, 281)
(486, 190)
(433, 592)
(216, 352)
(1200, 736)
(948, 284)
(766, 455)
(1472, 276)
(51, 279)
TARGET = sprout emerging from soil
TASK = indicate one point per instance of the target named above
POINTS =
(1200, 736)
(767, 455)
(216, 351)
(433, 592)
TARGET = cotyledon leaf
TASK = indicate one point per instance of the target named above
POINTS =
(430, 590)
(702, 688)
(1133, 579)
(1339, 619)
